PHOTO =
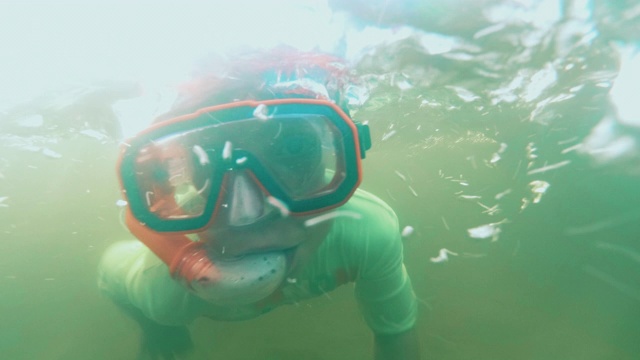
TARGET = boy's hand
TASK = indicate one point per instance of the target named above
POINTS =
(403, 346)
(159, 342)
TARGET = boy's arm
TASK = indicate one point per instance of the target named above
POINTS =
(402, 346)
(373, 248)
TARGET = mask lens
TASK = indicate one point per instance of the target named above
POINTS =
(303, 155)
(174, 175)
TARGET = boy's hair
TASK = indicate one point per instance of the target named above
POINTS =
(261, 75)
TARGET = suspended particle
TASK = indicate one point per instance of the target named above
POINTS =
(226, 151)
(407, 231)
(203, 158)
(443, 255)
(261, 112)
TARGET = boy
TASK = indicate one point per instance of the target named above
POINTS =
(244, 198)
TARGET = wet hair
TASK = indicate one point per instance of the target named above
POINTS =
(262, 75)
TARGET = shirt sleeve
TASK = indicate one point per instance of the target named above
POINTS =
(382, 287)
(131, 275)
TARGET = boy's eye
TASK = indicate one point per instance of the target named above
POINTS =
(295, 145)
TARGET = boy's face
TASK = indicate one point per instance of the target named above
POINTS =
(243, 176)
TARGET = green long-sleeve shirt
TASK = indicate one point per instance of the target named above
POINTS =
(365, 249)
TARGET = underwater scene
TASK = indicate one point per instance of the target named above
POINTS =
(505, 136)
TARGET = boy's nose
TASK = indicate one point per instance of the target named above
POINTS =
(245, 200)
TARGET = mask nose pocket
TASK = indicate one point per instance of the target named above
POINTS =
(246, 202)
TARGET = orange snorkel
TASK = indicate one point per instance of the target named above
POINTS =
(187, 259)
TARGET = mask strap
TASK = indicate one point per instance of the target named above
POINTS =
(364, 137)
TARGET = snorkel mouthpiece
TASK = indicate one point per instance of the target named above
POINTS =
(235, 281)
(242, 281)
(221, 281)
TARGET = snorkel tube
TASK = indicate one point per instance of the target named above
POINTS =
(240, 281)
(187, 260)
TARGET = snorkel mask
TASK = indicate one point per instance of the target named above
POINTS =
(304, 154)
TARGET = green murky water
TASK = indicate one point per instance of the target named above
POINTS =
(491, 140)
